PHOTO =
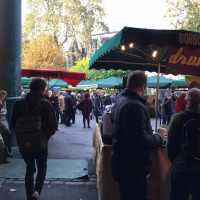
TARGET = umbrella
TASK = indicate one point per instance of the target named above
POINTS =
(57, 83)
(73, 78)
(174, 51)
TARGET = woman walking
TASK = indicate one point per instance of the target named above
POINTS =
(86, 107)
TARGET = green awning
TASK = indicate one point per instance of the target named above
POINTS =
(152, 81)
(57, 83)
(87, 82)
(144, 49)
(111, 82)
(25, 81)
(180, 83)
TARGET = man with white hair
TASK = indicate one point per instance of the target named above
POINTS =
(184, 149)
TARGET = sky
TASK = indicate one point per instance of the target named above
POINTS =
(133, 13)
(136, 13)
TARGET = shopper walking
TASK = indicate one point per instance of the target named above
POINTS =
(34, 122)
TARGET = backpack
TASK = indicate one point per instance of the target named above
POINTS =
(28, 128)
(192, 138)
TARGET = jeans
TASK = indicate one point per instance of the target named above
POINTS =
(183, 184)
(36, 160)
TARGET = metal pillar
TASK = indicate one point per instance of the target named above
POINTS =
(10, 46)
(10, 49)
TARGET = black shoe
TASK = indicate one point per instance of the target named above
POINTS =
(10, 155)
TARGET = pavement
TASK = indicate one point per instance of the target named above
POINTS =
(56, 190)
(70, 155)
(71, 173)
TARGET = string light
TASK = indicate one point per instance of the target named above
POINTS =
(154, 54)
(123, 48)
(131, 45)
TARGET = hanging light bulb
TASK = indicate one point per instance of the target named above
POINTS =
(123, 47)
(131, 45)
(154, 54)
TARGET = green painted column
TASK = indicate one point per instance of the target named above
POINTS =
(10, 49)
(10, 46)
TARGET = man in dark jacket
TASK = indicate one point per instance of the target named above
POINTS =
(133, 139)
(97, 106)
(34, 122)
(55, 103)
(68, 110)
(185, 173)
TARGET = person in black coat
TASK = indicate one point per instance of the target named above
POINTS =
(33, 120)
(133, 139)
(68, 110)
(97, 106)
(55, 103)
(86, 107)
(185, 172)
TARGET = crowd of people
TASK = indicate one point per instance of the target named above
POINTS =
(171, 102)
(134, 141)
(67, 103)
(35, 118)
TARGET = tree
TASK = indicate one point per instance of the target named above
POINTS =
(42, 52)
(71, 21)
(83, 66)
(184, 14)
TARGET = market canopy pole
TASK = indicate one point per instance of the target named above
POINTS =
(157, 98)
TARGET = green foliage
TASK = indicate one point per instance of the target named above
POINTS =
(65, 20)
(83, 66)
(42, 52)
(184, 14)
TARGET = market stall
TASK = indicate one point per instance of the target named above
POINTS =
(162, 51)
(107, 188)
